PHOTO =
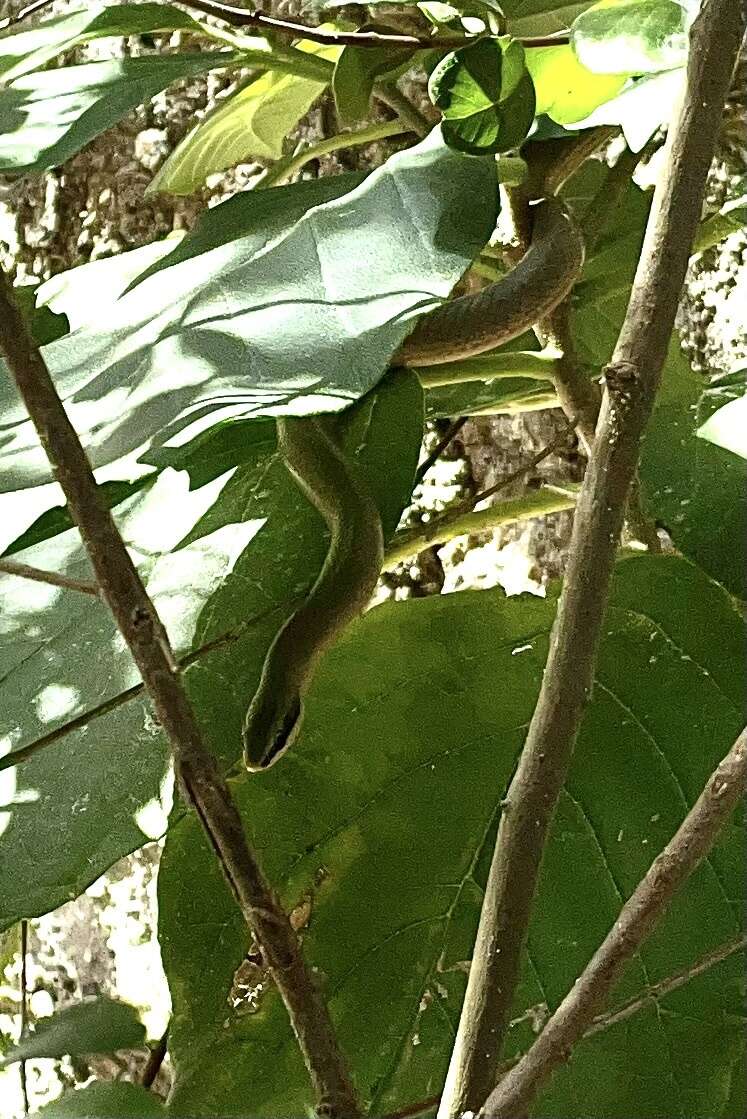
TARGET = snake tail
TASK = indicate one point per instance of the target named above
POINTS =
(473, 324)
(333, 483)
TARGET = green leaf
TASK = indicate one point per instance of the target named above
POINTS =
(253, 123)
(48, 116)
(308, 323)
(486, 96)
(357, 71)
(631, 36)
(98, 1025)
(106, 1100)
(27, 50)
(697, 489)
(257, 216)
(381, 820)
(200, 555)
(566, 90)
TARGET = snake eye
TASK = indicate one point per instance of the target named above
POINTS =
(284, 735)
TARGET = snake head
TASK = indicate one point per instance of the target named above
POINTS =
(270, 728)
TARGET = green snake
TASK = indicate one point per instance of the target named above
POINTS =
(464, 327)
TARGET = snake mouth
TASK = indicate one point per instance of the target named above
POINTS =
(262, 751)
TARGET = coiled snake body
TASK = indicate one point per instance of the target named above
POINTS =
(462, 328)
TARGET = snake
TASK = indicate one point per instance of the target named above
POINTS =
(332, 481)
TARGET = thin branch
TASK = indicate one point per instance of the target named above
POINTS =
(156, 1058)
(631, 384)
(622, 1013)
(24, 1010)
(535, 503)
(666, 986)
(202, 783)
(389, 94)
(293, 163)
(241, 17)
(432, 458)
(23, 753)
(460, 520)
(637, 920)
(52, 578)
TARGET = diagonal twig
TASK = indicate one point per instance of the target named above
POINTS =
(202, 783)
(51, 578)
(637, 920)
(632, 380)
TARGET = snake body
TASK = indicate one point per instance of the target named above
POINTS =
(332, 482)
(462, 328)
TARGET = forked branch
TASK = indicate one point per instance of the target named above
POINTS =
(632, 380)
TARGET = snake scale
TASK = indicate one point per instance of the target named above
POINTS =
(462, 328)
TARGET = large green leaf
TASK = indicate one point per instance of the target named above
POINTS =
(308, 323)
(84, 296)
(99, 1025)
(631, 36)
(379, 824)
(696, 488)
(356, 73)
(106, 1100)
(27, 50)
(247, 550)
(49, 115)
(253, 123)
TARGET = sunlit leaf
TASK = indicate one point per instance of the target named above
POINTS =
(307, 323)
(26, 50)
(49, 115)
(565, 89)
(252, 123)
(631, 36)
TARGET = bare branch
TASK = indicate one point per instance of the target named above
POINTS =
(638, 919)
(243, 17)
(631, 383)
(204, 786)
(52, 578)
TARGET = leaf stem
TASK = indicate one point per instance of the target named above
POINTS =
(534, 503)
(538, 365)
(291, 164)
(52, 578)
(632, 380)
(202, 783)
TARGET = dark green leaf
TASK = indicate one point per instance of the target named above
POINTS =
(486, 96)
(541, 17)
(381, 819)
(27, 50)
(698, 490)
(308, 324)
(631, 36)
(44, 324)
(48, 116)
(98, 1025)
(106, 1100)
